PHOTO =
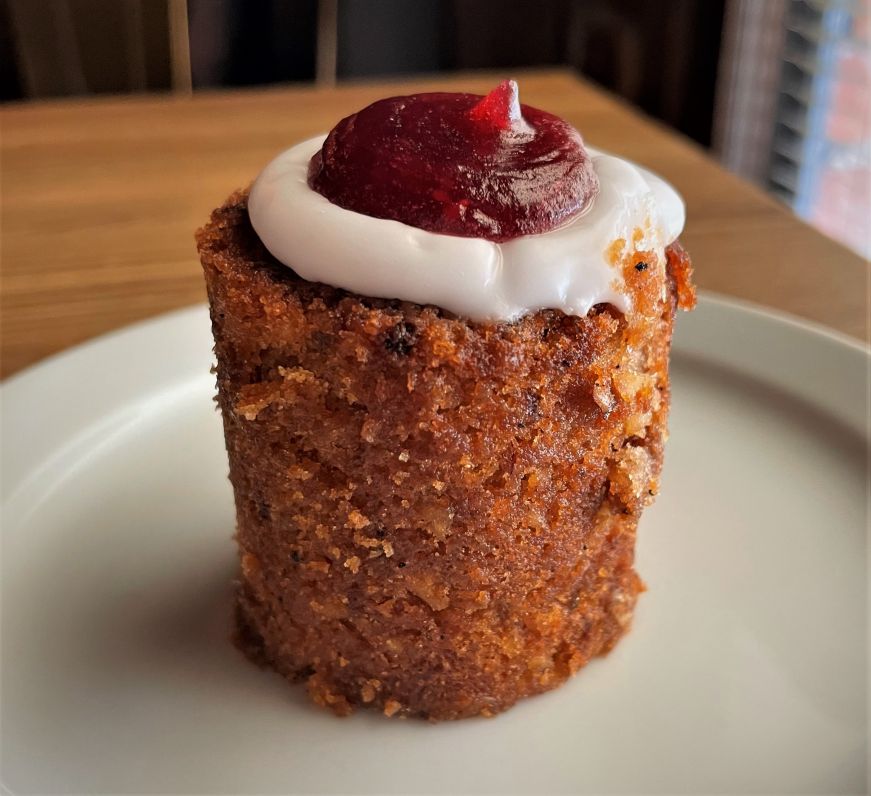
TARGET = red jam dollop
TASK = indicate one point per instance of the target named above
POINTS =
(458, 164)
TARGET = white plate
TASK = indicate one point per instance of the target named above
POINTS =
(745, 671)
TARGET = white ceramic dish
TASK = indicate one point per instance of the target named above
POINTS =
(745, 671)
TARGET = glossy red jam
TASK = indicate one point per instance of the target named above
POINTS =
(457, 164)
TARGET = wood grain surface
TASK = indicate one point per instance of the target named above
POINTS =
(100, 200)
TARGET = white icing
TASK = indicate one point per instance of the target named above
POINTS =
(567, 268)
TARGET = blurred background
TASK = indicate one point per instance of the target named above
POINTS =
(779, 90)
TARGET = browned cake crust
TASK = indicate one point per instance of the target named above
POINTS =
(435, 517)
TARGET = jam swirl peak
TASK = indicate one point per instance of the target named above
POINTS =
(458, 164)
(500, 109)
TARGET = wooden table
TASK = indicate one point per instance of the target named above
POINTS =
(100, 200)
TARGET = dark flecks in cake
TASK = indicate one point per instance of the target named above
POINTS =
(574, 598)
(531, 409)
(321, 341)
(642, 266)
(401, 338)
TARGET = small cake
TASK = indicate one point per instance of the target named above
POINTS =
(442, 337)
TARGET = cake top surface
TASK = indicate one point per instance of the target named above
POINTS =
(479, 205)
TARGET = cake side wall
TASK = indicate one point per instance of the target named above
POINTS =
(434, 517)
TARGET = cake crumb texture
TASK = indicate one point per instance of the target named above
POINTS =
(435, 517)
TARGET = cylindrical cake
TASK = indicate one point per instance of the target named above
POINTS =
(436, 516)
